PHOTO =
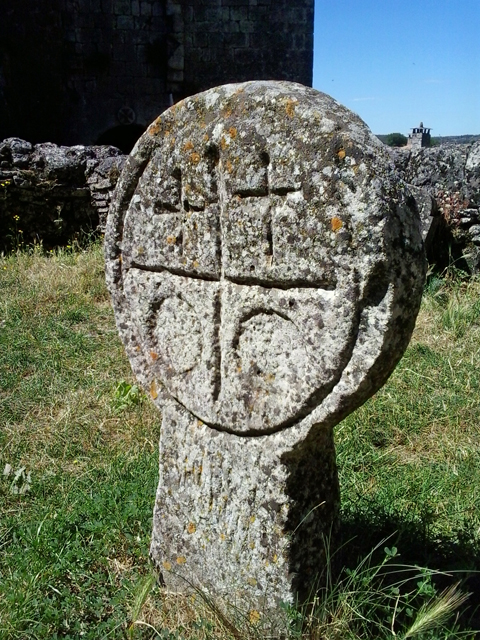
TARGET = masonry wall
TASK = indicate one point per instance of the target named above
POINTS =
(86, 71)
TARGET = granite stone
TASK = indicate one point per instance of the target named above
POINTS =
(266, 268)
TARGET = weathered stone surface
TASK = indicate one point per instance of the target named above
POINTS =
(266, 269)
(51, 194)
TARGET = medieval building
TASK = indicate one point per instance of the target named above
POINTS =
(419, 137)
(99, 71)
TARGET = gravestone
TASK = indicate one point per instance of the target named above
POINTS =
(266, 269)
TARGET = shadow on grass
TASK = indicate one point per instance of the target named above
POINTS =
(456, 558)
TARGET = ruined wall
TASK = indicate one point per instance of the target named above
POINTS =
(82, 71)
(53, 194)
(445, 180)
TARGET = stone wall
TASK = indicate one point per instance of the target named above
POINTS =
(53, 194)
(81, 72)
(446, 182)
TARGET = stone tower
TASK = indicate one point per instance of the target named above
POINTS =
(419, 137)
(81, 72)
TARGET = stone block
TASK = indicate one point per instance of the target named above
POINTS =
(145, 8)
(125, 22)
(239, 13)
(266, 267)
(122, 7)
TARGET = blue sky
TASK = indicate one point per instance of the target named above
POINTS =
(399, 62)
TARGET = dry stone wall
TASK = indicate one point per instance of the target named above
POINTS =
(52, 194)
(446, 183)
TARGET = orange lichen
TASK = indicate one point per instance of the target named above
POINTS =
(233, 132)
(229, 166)
(336, 224)
(223, 143)
(153, 355)
(191, 528)
(205, 137)
(195, 158)
(154, 128)
(341, 154)
(171, 239)
(188, 145)
(153, 390)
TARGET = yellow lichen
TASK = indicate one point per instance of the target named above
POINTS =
(205, 137)
(223, 537)
(254, 616)
(167, 565)
(290, 107)
(252, 519)
(188, 146)
(191, 528)
(251, 581)
(171, 239)
(229, 166)
(181, 560)
(195, 157)
(223, 143)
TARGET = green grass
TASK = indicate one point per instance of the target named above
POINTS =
(79, 444)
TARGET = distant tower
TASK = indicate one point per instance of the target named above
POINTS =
(419, 137)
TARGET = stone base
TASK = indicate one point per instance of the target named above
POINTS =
(244, 519)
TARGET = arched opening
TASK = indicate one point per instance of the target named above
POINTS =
(123, 137)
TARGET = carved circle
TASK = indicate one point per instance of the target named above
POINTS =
(177, 336)
(126, 115)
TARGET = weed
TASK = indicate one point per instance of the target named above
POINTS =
(125, 396)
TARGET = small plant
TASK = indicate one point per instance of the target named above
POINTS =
(125, 396)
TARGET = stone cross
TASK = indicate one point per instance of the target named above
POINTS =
(266, 269)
